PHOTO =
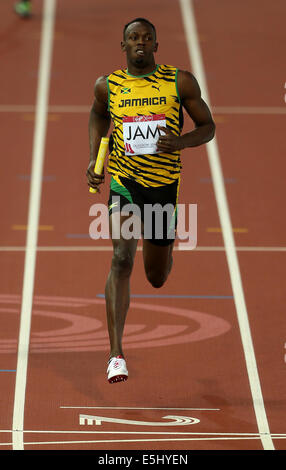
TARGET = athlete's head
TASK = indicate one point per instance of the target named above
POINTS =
(138, 20)
(139, 42)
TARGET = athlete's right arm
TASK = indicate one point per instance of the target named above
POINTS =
(98, 126)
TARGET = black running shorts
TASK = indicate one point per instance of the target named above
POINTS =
(155, 207)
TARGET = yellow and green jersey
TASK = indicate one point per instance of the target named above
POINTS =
(137, 104)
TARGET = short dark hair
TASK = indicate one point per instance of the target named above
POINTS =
(139, 20)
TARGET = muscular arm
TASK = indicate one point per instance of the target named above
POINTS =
(197, 109)
(98, 126)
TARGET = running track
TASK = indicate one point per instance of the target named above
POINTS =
(206, 353)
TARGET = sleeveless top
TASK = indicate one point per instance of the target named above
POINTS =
(137, 104)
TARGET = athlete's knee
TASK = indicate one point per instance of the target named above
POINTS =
(156, 278)
(122, 263)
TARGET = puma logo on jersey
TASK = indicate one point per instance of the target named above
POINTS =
(114, 204)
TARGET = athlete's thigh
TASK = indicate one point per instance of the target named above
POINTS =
(122, 246)
(157, 258)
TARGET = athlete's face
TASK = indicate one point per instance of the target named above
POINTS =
(139, 44)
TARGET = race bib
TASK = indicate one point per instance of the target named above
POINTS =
(141, 133)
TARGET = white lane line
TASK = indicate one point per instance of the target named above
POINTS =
(225, 221)
(73, 109)
(108, 441)
(134, 408)
(196, 437)
(249, 110)
(109, 248)
(164, 433)
(33, 220)
(77, 109)
(160, 433)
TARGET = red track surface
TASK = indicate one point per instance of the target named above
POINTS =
(185, 355)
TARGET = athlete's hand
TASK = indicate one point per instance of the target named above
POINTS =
(168, 142)
(94, 179)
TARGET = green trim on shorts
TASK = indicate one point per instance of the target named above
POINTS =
(118, 188)
(173, 220)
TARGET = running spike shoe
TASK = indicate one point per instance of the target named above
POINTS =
(23, 9)
(117, 370)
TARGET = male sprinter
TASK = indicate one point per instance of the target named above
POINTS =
(145, 102)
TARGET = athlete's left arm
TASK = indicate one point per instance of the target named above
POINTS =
(190, 96)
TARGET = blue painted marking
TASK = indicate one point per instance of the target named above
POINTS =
(45, 177)
(7, 370)
(226, 180)
(24, 177)
(49, 178)
(163, 296)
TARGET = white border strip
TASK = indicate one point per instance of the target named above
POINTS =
(33, 219)
(157, 433)
(139, 248)
(78, 109)
(133, 408)
(224, 215)
(120, 441)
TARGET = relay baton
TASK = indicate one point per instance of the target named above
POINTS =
(100, 159)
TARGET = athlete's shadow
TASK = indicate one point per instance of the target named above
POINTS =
(67, 376)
